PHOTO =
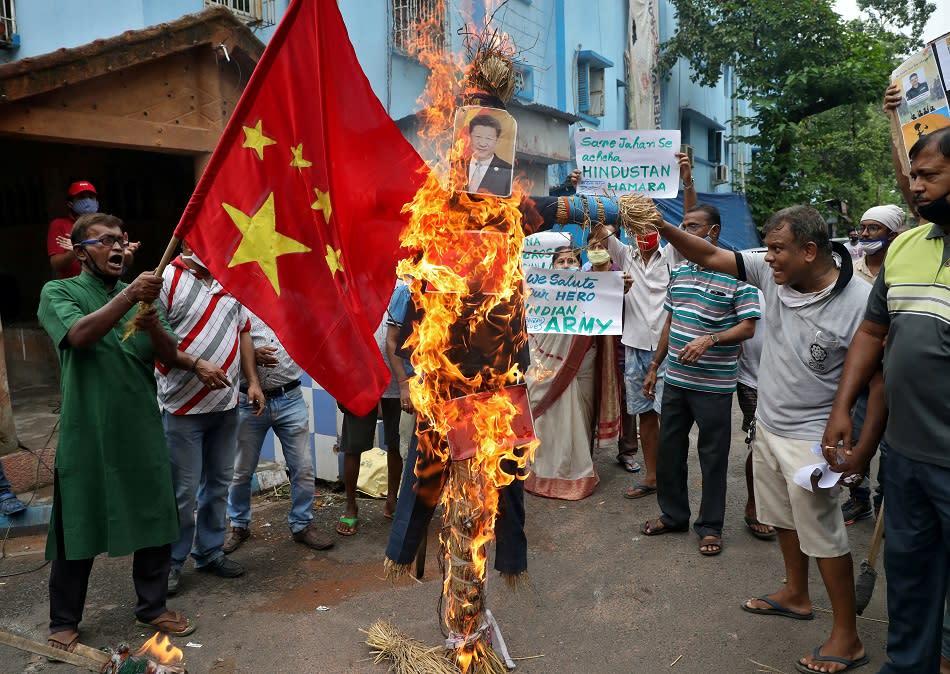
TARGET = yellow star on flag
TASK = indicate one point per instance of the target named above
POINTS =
(333, 260)
(322, 204)
(261, 242)
(298, 161)
(255, 139)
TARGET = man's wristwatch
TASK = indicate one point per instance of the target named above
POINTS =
(715, 339)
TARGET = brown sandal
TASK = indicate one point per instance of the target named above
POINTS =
(170, 622)
(63, 641)
(714, 542)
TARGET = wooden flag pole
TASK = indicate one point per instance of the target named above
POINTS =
(897, 138)
(167, 257)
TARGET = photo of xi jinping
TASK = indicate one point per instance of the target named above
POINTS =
(489, 136)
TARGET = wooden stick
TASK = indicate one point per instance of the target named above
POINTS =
(83, 657)
(897, 138)
(167, 257)
(877, 537)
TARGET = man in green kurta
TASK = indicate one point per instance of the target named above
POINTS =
(112, 480)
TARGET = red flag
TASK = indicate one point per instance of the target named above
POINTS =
(298, 211)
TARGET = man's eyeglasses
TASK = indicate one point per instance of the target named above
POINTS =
(692, 226)
(874, 229)
(108, 240)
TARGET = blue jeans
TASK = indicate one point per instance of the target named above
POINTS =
(201, 448)
(6, 489)
(289, 416)
(917, 527)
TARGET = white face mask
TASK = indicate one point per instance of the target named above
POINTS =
(871, 246)
(194, 258)
(598, 256)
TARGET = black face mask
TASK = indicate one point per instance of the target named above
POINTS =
(937, 211)
(96, 271)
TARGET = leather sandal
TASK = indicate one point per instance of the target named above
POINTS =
(170, 622)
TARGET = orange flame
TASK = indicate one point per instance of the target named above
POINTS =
(160, 649)
(459, 320)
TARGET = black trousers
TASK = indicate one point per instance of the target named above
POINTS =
(712, 414)
(69, 580)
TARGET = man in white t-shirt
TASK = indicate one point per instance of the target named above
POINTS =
(814, 305)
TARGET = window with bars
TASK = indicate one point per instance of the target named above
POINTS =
(591, 90)
(7, 23)
(418, 25)
(257, 13)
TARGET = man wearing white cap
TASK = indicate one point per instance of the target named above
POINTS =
(879, 226)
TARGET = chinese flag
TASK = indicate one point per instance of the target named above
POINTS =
(298, 211)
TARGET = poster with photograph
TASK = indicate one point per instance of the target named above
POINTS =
(488, 138)
(922, 79)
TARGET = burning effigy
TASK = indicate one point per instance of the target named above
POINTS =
(469, 351)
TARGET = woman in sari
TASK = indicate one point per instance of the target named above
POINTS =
(569, 379)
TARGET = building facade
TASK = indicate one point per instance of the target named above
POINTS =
(133, 94)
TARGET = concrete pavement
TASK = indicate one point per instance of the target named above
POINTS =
(602, 597)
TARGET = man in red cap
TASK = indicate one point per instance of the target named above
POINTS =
(81, 198)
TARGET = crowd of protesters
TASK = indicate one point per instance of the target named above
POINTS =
(798, 333)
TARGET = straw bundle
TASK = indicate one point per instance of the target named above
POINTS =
(408, 656)
(637, 214)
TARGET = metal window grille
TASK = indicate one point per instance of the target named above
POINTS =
(256, 13)
(7, 21)
(418, 25)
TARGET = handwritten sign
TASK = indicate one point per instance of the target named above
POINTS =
(538, 249)
(624, 162)
(574, 302)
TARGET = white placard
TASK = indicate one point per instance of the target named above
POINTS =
(538, 249)
(625, 162)
(574, 302)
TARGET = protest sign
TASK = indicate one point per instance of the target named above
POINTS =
(923, 81)
(624, 162)
(538, 250)
(574, 302)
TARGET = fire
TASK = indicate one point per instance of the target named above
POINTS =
(465, 348)
(160, 649)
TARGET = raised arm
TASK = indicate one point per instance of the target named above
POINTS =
(699, 250)
(892, 101)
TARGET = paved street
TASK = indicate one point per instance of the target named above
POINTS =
(602, 597)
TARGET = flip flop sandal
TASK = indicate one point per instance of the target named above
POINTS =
(776, 609)
(818, 659)
(643, 489)
(656, 527)
(170, 622)
(347, 526)
(63, 641)
(714, 542)
(752, 522)
(629, 464)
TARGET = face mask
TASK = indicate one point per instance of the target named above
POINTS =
(871, 246)
(937, 211)
(598, 257)
(84, 206)
(573, 269)
(194, 258)
(648, 242)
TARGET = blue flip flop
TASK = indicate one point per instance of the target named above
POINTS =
(849, 664)
(777, 609)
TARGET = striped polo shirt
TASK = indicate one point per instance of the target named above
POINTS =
(703, 302)
(209, 321)
(912, 297)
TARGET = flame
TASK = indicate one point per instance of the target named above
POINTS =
(460, 320)
(160, 649)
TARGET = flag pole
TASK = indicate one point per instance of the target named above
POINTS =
(166, 258)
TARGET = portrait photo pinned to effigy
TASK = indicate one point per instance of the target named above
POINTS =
(488, 138)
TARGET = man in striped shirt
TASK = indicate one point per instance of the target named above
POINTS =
(200, 413)
(709, 315)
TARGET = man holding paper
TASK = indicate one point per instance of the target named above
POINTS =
(814, 305)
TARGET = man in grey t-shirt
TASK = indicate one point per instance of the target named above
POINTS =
(814, 305)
